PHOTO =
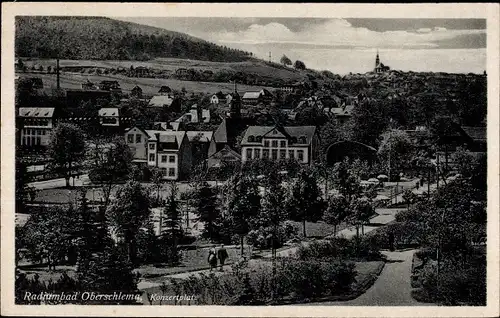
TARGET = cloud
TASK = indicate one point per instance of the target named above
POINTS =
(338, 32)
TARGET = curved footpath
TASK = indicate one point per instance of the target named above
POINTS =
(392, 288)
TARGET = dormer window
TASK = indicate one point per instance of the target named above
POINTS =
(258, 139)
(251, 138)
(302, 140)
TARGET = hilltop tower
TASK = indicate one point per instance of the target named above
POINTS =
(377, 60)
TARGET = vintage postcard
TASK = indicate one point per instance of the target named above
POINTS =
(198, 159)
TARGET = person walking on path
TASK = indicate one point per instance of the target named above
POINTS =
(212, 259)
(222, 255)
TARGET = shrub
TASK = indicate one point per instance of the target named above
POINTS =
(340, 248)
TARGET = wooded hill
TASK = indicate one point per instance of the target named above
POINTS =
(98, 38)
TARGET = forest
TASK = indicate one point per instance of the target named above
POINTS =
(97, 38)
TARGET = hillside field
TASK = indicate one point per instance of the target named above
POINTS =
(256, 67)
(150, 86)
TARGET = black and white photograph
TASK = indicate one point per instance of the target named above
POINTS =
(265, 161)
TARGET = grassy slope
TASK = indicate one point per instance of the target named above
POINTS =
(171, 64)
(150, 86)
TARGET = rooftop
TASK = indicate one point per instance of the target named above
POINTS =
(36, 112)
(108, 112)
(280, 132)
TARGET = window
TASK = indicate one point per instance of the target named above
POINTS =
(258, 139)
(110, 121)
(291, 154)
(275, 154)
(282, 153)
(266, 143)
(249, 153)
(251, 138)
(130, 139)
(151, 157)
(151, 146)
(256, 153)
(138, 139)
(265, 154)
(283, 143)
(171, 159)
(164, 158)
(171, 172)
(275, 143)
(38, 140)
(300, 155)
(302, 140)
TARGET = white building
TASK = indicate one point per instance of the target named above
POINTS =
(36, 125)
(109, 117)
(279, 143)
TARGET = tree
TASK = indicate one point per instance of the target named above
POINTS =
(204, 200)
(396, 152)
(345, 180)
(48, 235)
(171, 227)
(336, 211)
(128, 213)
(362, 210)
(304, 202)
(243, 204)
(110, 163)
(299, 65)
(157, 179)
(66, 148)
(285, 60)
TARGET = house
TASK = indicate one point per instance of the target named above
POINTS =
(253, 98)
(222, 157)
(136, 92)
(292, 88)
(341, 114)
(112, 86)
(109, 117)
(161, 101)
(181, 72)
(168, 150)
(35, 125)
(88, 85)
(279, 143)
(165, 90)
(193, 115)
(141, 71)
(226, 133)
(218, 98)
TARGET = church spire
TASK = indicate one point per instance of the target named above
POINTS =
(377, 60)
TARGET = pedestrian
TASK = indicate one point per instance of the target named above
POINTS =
(222, 255)
(212, 259)
(391, 241)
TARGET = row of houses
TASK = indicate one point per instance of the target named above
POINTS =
(172, 151)
(248, 98)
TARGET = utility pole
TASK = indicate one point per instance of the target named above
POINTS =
(57, 73)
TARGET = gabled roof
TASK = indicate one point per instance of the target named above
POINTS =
(137, 88)
(220, 135)
(160, 101)
(36, 112)
(168, 136)
(475, 133)
(225, 153)
(251, 95)
(290, 131)
(205, 136)
(108, 112)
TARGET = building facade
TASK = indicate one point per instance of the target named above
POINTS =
(36, 125)
(170, 151)
(279, 143)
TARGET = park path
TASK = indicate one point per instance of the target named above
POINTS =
(392, 288)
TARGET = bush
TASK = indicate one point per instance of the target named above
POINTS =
(340, 248)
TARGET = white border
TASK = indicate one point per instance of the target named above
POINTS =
(476, 10)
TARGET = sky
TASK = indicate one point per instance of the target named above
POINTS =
(408, 44)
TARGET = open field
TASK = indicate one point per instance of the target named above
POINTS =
(256, 67)
(150, 86)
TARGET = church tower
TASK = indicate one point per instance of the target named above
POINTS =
(235, 104)
(377, 60)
